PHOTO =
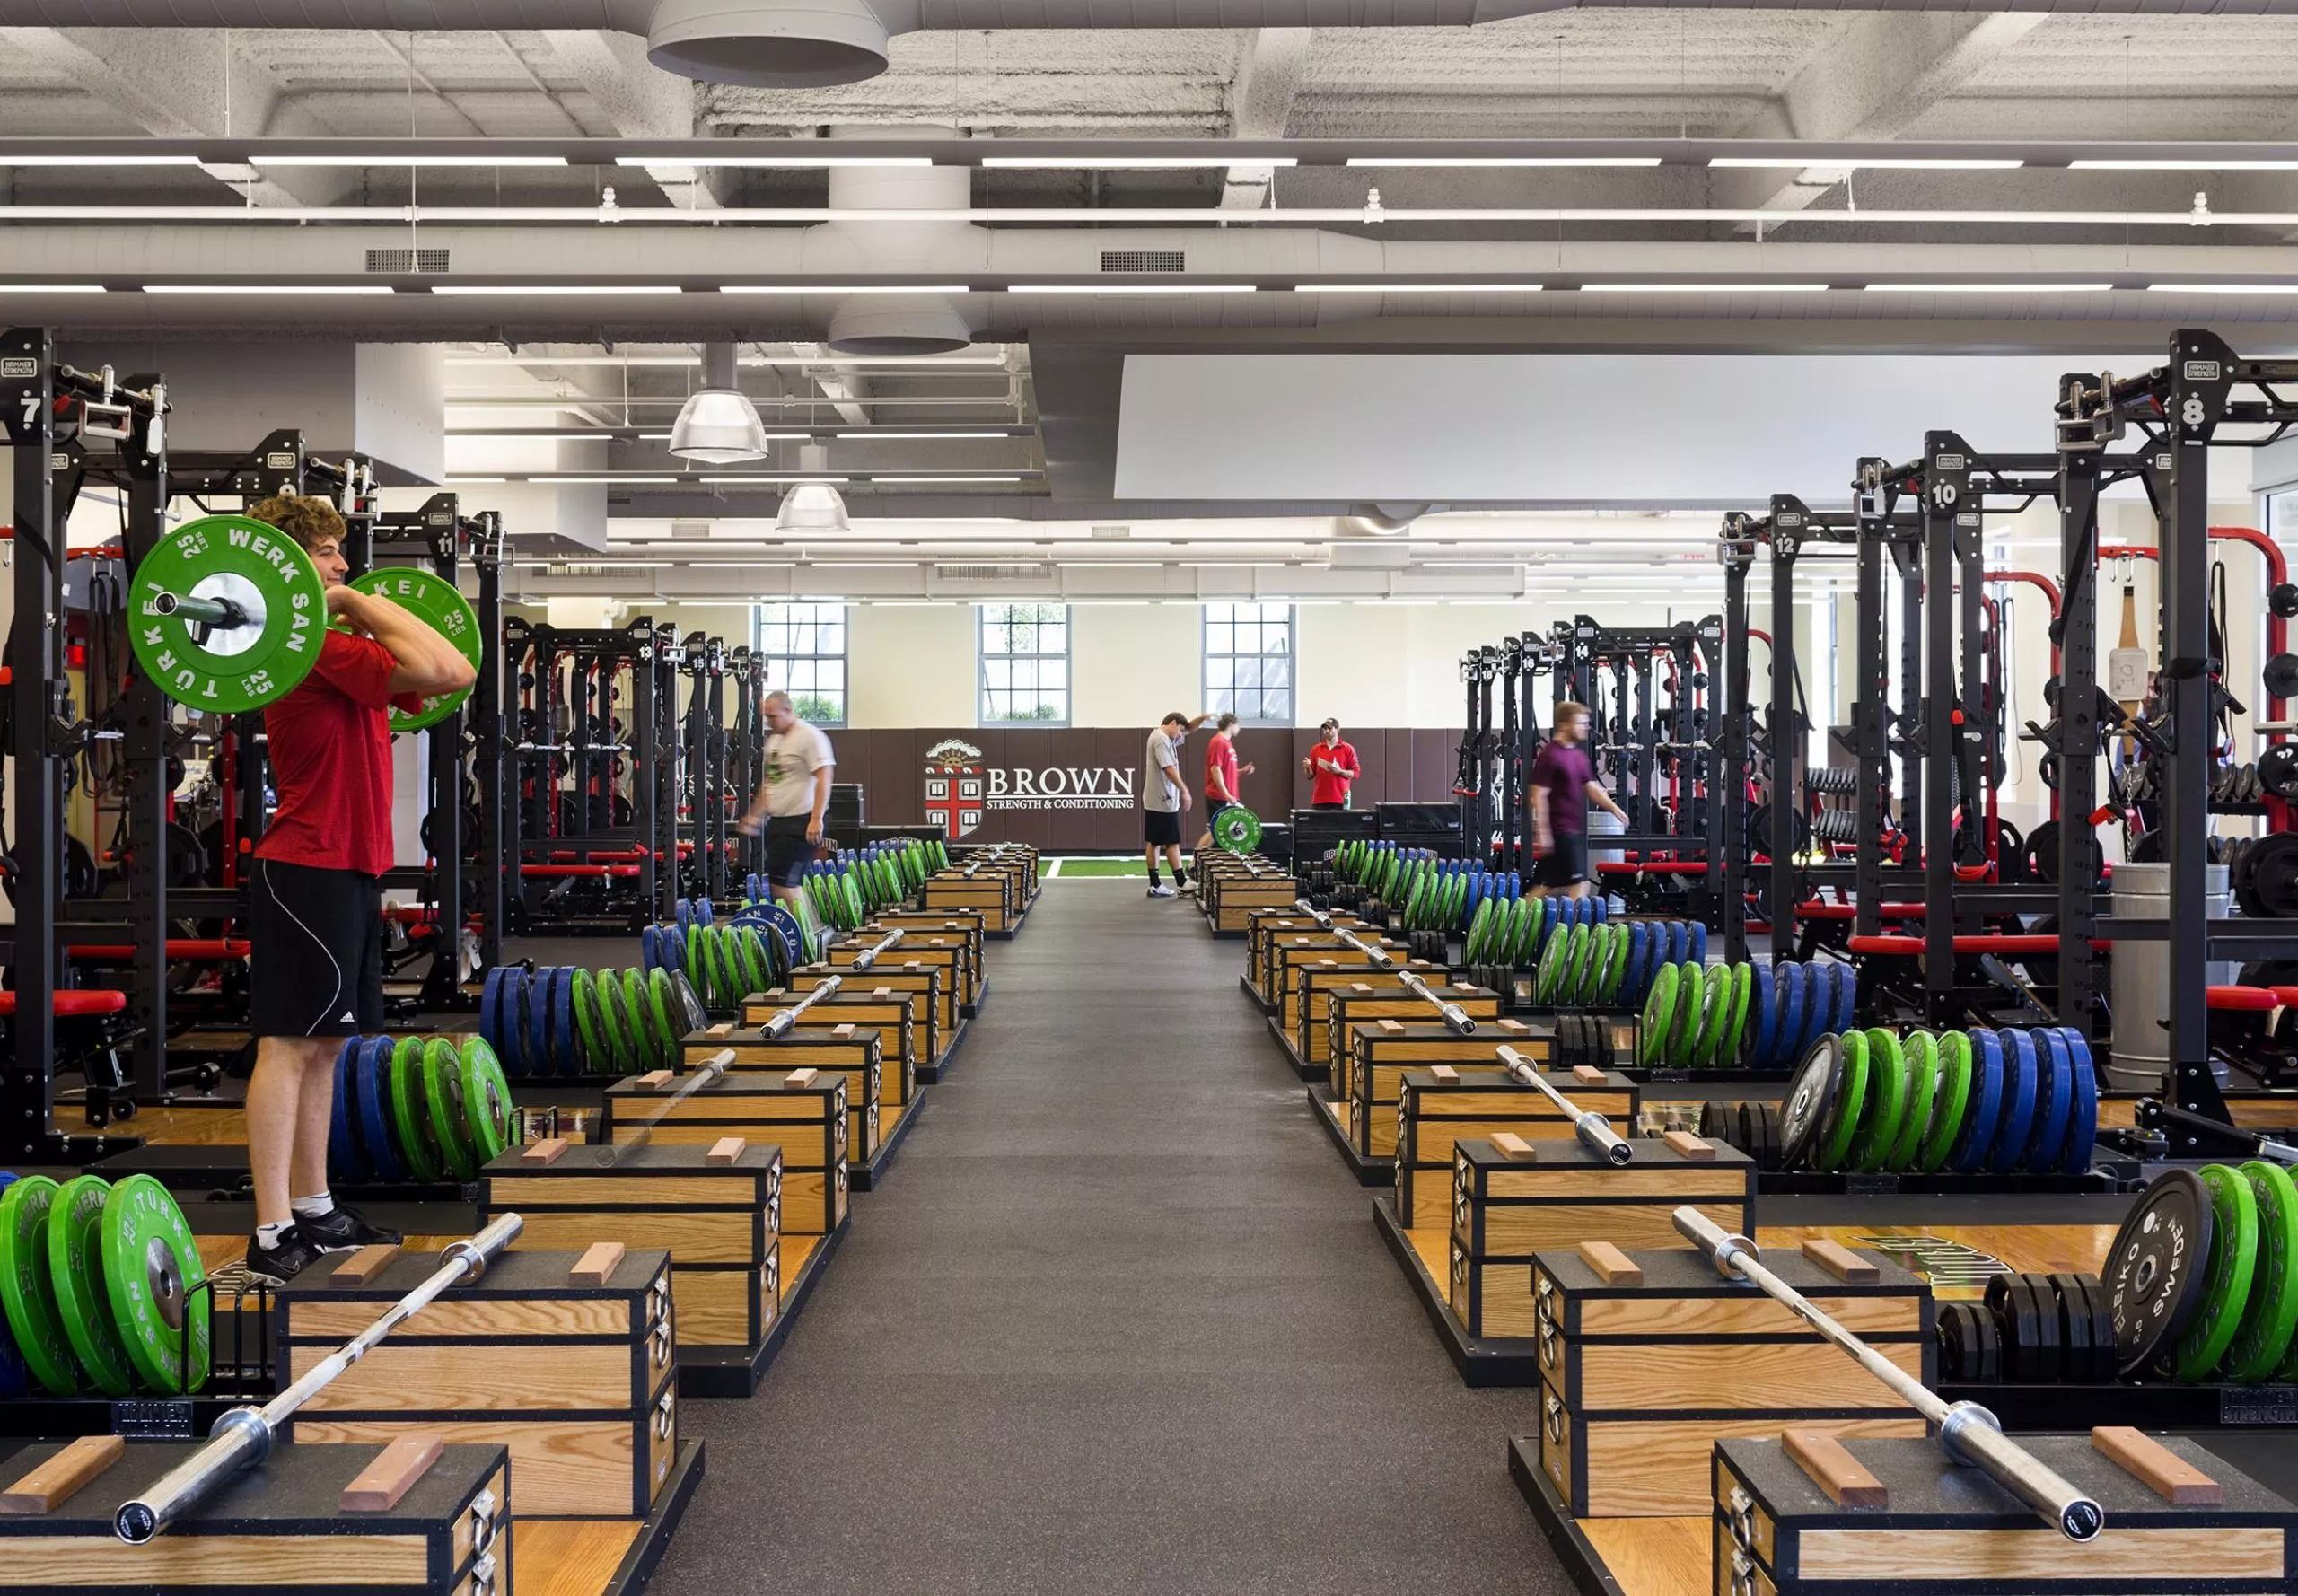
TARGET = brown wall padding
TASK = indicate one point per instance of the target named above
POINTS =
(1399, 763)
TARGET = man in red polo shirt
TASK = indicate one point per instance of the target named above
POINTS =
(1330, 766)
(316, 972)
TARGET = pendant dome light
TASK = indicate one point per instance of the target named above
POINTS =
(811, 506)
(718, 426)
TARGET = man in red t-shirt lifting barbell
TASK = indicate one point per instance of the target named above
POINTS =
(315, 890)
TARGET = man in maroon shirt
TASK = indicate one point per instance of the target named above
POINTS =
(1561, 786)
(316, 972)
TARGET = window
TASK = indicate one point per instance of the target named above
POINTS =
(1249, 662)
(805, 645)
(1025, 664)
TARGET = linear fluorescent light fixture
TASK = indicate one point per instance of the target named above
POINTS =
(268, 288)
(1702, 287)
(101, 161)
(1131, 288)
(379, 158)
(842, 288)
(2222, 287)
(51, 288)
(1417, 287)
(555, 288)
(799, 163)
(782, 476)
(945, 478)
(890, 436)
(1472, 161)
(1990, 288)
(1131, 163)
(1828, 163)
(606, 481)
(2182, 165)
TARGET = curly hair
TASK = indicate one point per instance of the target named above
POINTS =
(305, 517)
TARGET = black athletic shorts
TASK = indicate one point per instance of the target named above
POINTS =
(316, 965)
(787, 851)
(1161, 828)
(1565, 862)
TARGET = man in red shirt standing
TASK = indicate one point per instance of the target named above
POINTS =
(1330, 766)
(316, 972)
(1222, 772)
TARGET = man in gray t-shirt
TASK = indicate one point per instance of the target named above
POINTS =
(1164, 795)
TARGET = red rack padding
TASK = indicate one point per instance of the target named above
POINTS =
(1910, 947)
(592, 870)
(2256, 1000)
(615, 856)
(190, 949)
(76, 1005)
(1677, 866)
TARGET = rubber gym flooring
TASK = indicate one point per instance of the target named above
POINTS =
(1116, 1321)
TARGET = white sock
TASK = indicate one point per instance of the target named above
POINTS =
(313, 1207)
(271, 1235)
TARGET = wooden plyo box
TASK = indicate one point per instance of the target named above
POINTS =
(808, 1122)
(1947, 1527)
(932, 980)
(1230, 896)
(1018, 857)
(996, 895)
(1384, 1014)
(961, 927)
(1434, 1116)
(1319, 982)
(1504, 1211)
(1639, 1380)
(721, 1222)
(578, 1380)
(856, 1054)
(892, 1015)
(281, 1527)
(1288, 954)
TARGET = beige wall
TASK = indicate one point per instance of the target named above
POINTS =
(909, 665)
(1132, 664)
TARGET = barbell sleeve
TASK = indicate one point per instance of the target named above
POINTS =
(1378, 956)
(781, 1023)
(1592, 1128)
(1968, 1433)
(869, 955)
(217, 615)
(242, 1437)
(1456, 1018)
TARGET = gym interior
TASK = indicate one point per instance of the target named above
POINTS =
(1188, 801)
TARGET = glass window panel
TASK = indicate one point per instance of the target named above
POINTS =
(1053, 671)
(1220, 671)
(1276, 671)
(1248, 673)
(1220, 637)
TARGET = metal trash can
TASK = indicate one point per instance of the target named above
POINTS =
(2141, 975)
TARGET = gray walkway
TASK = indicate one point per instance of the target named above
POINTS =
(1117, 1321)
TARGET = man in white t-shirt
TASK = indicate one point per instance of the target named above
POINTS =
(794, 796)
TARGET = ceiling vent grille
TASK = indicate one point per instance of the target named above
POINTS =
(1112, 531)
(408, 262)
(1034, 572)
(1143, 260)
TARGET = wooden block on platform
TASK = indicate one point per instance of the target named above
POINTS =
(1513, 1147)
(378, 1487)
(2155, 1466)
(52, 1482)
(1832, 1468)
(1688, 1144)
(803, 1077)
(550, 1150)
(363, 1265)
(1588, 1074)
(1840, 1261)
(598, 1263)
(652, 1080)
(725, 1150)
(1612, 1266)
(1444, 1073)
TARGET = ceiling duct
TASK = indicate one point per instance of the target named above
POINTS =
(815, 43)
(885, 324)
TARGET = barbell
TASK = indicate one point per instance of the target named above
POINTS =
(226, 614)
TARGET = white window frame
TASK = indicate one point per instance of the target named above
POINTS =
(1217, 698)
(983, 654)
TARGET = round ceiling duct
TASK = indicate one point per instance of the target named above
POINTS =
(768, 44)
(897, 324)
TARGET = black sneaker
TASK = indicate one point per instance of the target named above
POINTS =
(343, 1229)
(284, 1259)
